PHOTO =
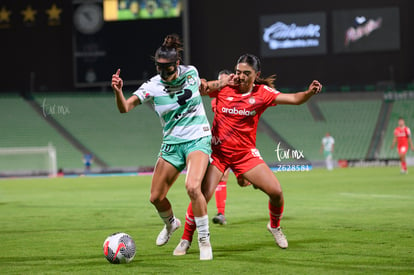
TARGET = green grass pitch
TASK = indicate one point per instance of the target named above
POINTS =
(348, 221)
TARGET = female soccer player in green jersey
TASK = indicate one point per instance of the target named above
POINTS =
(174, 94)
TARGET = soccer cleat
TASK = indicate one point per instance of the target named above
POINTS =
(280, 238)
(219, 219)
(182, 248)
(166, 233)
(206, 252)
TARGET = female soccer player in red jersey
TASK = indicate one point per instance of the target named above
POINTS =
(239, 108)
(402, 136)
(220, 193)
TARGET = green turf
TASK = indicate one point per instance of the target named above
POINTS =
(348, 221)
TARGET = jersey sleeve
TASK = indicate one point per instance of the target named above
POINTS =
(396, 132)
(213, 94)
(269, 95)
(143, 92)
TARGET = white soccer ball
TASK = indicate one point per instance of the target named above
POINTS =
(119, 248)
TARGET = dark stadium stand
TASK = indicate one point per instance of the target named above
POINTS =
(121, 140)
(132, 141)
(21, 126)
(350, 121)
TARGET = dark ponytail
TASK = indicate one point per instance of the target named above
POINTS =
(170, 49)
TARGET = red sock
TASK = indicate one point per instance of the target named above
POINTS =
(189, 226)
(275, 213)
(221, 195)
(404, 165)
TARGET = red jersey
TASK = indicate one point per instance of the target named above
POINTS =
(402, 135)
(237, 116)
(213, 105)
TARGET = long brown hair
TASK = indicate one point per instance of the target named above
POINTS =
(254, 62)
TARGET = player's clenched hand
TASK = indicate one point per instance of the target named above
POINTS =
(117, 82)
(231, 80)
(203, 86)
(315, 87)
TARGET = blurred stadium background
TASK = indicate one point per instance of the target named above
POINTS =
(56, 77)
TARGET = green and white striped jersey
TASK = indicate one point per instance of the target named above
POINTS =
(178, 105)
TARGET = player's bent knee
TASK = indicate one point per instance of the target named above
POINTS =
(276, 196)
(155, 199)
(193, 191)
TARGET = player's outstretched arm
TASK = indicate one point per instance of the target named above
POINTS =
(124, 105)
(300, 97)
(394, 141)
(411, 143)
(207, 87)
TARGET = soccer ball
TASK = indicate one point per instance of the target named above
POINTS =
(119, 248)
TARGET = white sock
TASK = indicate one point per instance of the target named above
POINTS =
(202, 226)
(168, 217)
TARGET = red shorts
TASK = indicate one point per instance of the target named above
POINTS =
(402, 149)
(238, 161)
